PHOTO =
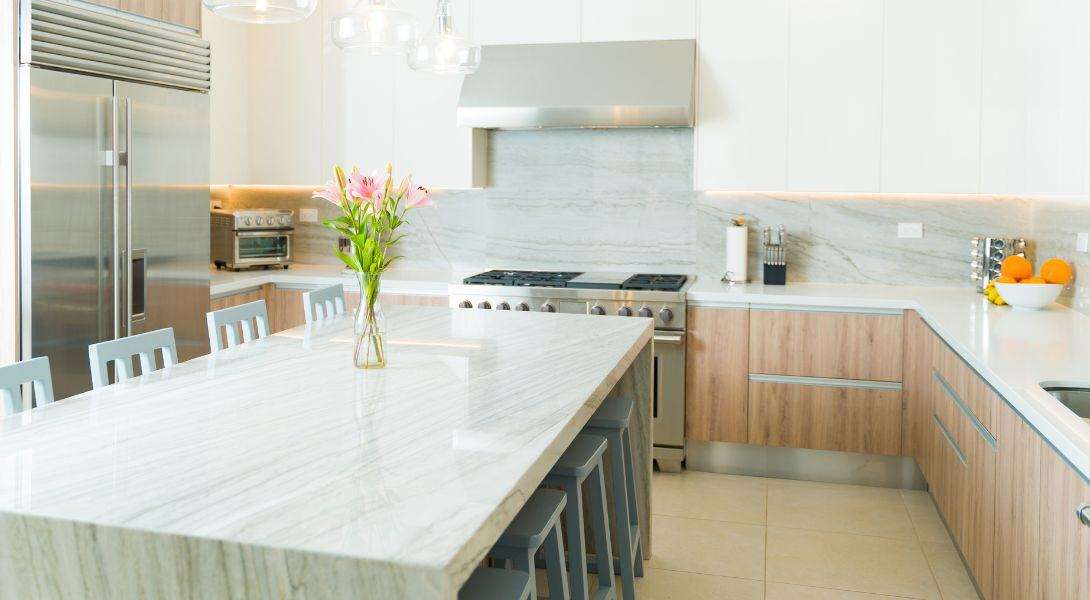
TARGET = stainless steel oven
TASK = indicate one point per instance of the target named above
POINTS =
(668, 402)
(252, 238)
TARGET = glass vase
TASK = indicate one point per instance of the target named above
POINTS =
(370, 328)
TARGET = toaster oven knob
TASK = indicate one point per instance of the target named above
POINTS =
(465, 304)
(522, 306)
(597, 310)
(484, 305)
(548, 307)
(666, 315)
(248, 221)
(285, 220)
(503, 306)
(624, 311)
(646, 313)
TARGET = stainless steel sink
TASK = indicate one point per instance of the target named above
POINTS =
(1075, 397)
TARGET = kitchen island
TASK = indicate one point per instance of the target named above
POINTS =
(276, 469)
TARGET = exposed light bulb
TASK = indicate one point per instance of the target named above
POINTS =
(261, 6)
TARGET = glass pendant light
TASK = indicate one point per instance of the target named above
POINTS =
(263, 11)
(375, 27)
(443, 50)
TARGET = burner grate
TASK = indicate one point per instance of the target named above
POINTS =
(654, 282)
(523, 278)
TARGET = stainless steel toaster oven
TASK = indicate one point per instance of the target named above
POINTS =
(252, 238)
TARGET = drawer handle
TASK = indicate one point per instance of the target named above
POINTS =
(965, 410)
(950, 439)
(1084, 514)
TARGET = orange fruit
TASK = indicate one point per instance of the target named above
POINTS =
(1017, 267)
(1033, 280)
(1005, 279)
(1056, 271)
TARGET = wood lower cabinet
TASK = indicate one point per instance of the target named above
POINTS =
(835, 345)
(1017, 508)
(846, 419)
(916, 389)
(1064, 569)
(285, 304)
(717, 375)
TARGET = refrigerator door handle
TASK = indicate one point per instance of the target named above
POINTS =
(125, 159)
(119, 259)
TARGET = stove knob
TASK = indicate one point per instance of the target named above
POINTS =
(666, 315)
(465, 304)
(503, 306)
(597, 310)
(522, 306)
(548, 307)
(624, 311)
(646, 313)
(484, 305)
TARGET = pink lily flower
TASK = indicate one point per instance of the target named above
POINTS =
(416, 197)
(331, 192)
(359, 186)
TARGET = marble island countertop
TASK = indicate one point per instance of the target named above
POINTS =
(1014, 351)
(276, 469)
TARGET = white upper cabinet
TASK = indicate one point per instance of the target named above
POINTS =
(427, 139)
(834, 100)
(620, 20)
(524, 21)
(741, 123)
(931, 98)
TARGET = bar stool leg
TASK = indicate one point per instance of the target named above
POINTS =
(596, 499)
(630, 489)
(621, 509)
(554, 561)
(573, 520)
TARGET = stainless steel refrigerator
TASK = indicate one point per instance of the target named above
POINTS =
(114, 232)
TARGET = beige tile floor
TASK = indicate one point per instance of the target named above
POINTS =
(723, 537)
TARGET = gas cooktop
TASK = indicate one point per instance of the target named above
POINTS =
(568, 279)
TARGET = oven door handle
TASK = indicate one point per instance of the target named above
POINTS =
(268, 233)
(673, 338)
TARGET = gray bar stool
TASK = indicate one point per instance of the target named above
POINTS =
(120, 353)
(611, 421)
(537, 527)
(582, 461)
(12, 377)
(496, 584)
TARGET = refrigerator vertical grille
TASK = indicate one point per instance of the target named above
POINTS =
(67, 37)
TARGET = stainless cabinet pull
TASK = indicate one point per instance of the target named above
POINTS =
(1083, 513)
(965, 410)
(950, 439)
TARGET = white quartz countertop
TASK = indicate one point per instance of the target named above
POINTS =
(1015, 351)
(394, 482)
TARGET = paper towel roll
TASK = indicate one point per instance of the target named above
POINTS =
(737, 252)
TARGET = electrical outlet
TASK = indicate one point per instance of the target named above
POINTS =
(910, 230)
(308, 215)
(1082, 242)
(217, 204)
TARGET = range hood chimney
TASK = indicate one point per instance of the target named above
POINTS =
(600, 84)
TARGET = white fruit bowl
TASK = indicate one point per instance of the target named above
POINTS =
(1029, 296)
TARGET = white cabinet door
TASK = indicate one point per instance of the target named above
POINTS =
(931, 96)
(229, 99)
(1036, 97)
(835, 95)
(427, 139)
(741, 122)
(285, 99)
(1058, 97)
(524, 21)
(616, 20)
(1005, 62)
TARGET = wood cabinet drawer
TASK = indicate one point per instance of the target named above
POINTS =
(836, 345)
(1065, 541)
(825, 417)
(960, 388)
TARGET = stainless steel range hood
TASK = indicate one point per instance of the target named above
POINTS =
(601, 84)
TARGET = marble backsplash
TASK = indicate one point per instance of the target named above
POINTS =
(623, 200)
